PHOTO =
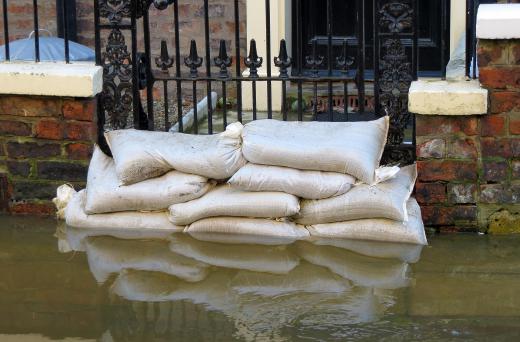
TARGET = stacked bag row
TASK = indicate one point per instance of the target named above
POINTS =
(270, 178)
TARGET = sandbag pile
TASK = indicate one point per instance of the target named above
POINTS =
(287, 180)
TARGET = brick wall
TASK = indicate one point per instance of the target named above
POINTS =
(44, 142)
(469, 166)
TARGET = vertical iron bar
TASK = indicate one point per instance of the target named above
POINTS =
(299, 54)
(36, 32)
(361, 55)
(178, 65)
(66, 30)
(136, 94)
(474, 37)
(377, 103)
(329, 57)
(149, 76)
(284, 101)
(444, 13)
(166, 107)
(469, 4)
(100, 107)
(238, 61)
(97, 33)
(345, 99)
(415, 45)
(268, 57)
(254, 100)
(224, 101)
(6, 31)
(208, 67)
(195, 118)
(315, 98)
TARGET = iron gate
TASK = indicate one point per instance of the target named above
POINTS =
(130, 67)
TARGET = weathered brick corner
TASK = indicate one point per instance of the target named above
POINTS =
(44, 142)
(469, 166)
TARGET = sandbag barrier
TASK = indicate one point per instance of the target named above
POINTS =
(267, 179)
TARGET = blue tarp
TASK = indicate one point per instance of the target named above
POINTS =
(52, 49)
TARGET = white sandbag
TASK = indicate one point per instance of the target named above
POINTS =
(75, 216)
(304, 278)
(384, 200)
(375, 229)
(64, 195)
(254, 258)
(242, 239)
(139, 155)
(108, 255)
(76, 237)
(224, 200)
(105, 195)
(301, 183)
(406, 252)
(354, 148)
(247, 226)
(361, 270)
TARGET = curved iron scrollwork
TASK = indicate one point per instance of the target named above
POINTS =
(395, 74)
(117, 80)
(115, 10)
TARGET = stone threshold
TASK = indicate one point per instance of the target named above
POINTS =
(79, 79)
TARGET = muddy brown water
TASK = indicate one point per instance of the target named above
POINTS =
(59, 283)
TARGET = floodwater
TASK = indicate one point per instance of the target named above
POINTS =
(59, 283)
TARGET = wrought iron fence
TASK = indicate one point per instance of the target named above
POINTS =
(393, 50)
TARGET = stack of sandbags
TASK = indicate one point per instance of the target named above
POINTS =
(382, 212)
(334, 169)
(149, 172)
(269, 178)
(226, 210)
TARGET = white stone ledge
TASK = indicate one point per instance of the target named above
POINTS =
(51, 79)
(498, 21)
(447, 98)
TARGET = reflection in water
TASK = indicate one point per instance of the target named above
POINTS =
(263, 289)
(184, 289)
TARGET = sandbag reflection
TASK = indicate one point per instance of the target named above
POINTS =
(261, 289)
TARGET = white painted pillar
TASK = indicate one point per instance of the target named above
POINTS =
(280, 29)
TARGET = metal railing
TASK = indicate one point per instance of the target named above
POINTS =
(65, 20)
(120, 25)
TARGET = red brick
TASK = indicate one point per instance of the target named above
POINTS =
(496, 147)
(447, 170)
(515, 169)
(500, 77)
(438, 124)
(448, 216)
(79, 110)
(79, 151)
(495, 171)
(492, 52)
(44, 209)
(495, 194)
(76, 130)
(429, 193)
(492, 125)
(32, 150)
(504, 101)
(49, 129)
(462, 193)
(462, 148)
(30, 106)
(17, 128)
(434, 148)
(515, 147)
(514, 123)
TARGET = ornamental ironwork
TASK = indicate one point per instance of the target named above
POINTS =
(117, 80)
